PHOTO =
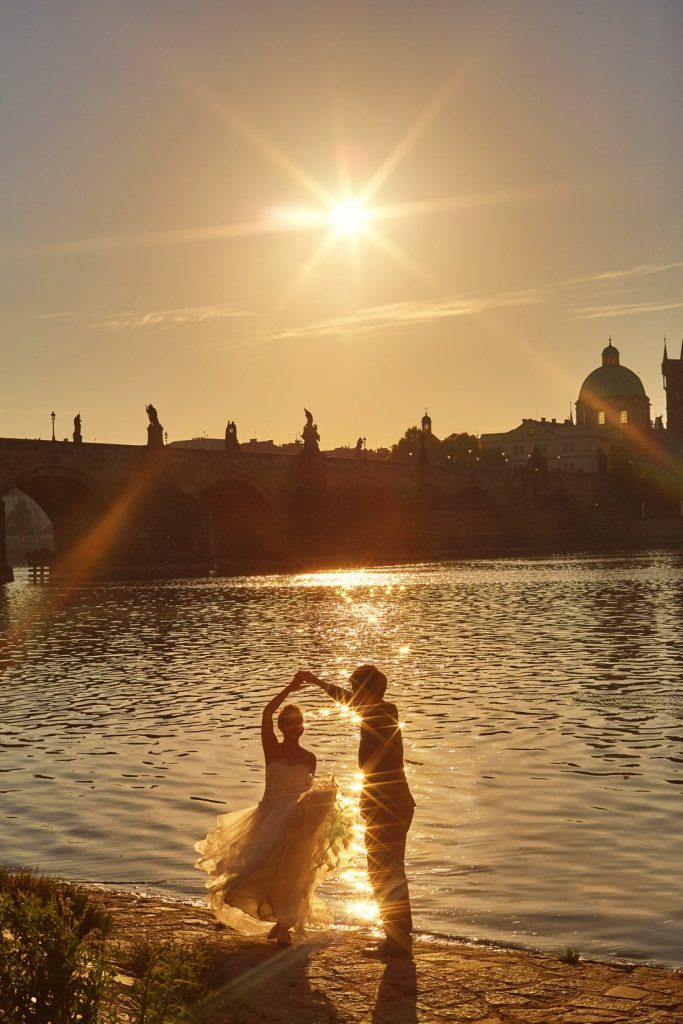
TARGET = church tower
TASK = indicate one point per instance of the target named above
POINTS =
(427, 423)
(672, 372)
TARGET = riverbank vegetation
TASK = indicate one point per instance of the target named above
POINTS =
(57, 965)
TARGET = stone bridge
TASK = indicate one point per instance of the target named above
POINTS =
(174, 509)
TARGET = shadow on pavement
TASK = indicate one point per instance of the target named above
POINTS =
(265, 983)
(396, 1000)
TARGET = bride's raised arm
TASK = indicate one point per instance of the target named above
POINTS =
(269, 740)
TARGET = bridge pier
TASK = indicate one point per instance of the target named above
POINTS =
(6, 573)
(213, 538)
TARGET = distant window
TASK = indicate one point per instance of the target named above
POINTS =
(623, 415)
(568, 446)
(518, 449)
(679, 396)
(544, 449)
(601, 417)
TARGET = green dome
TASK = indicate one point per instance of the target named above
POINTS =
(612, 381)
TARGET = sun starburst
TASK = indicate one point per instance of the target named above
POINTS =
(349, 217)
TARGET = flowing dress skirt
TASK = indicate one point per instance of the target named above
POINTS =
(264, 862)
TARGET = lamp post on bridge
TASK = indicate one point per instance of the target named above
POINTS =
(53, 417)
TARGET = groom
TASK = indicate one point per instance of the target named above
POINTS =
(386, 804)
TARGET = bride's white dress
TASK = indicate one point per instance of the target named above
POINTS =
(264, 862)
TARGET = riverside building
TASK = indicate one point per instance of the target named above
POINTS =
(612, 408)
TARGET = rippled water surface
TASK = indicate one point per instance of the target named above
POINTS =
(543, 714)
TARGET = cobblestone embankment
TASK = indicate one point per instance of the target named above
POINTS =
(325, 980)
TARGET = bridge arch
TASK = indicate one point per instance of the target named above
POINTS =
(68, 498)
(28, 531)
(243, 524)
(167, 526)
(363, 520)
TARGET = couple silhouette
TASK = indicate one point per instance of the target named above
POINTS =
(265, 862)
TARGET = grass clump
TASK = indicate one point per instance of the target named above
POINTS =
(168, 978)
(21, 884)
(53, 961)
(570, 955)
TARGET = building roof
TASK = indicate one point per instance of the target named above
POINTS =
(542, 430)
(611, 380)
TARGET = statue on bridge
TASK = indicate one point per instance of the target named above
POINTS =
(77, 436)
(310, 436)
(155, 431)
(231, 442)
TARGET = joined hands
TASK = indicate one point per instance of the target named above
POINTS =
(300, 678)
(297, 682)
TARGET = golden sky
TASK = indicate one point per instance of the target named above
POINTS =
(168, 184)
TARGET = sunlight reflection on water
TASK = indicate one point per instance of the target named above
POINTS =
(543, 728)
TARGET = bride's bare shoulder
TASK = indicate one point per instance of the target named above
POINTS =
(309, 758)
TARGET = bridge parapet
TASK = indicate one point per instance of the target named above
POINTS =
(193, 469)
(169, 506)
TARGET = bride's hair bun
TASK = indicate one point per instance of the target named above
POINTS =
(289, 711)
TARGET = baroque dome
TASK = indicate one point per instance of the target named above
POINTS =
(611, 380)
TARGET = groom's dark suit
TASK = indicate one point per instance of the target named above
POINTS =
(387, 808)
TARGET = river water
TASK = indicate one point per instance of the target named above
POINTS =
(543, 713)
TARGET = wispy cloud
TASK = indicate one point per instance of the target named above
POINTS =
(632, 309)
(610, 309)
(58, 316)
(581, 297)
(166, 317)
(640, 270)
(575, 293)
(374, 319)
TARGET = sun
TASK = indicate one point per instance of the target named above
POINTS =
(349, 217)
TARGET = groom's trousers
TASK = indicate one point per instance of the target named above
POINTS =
(387, 810)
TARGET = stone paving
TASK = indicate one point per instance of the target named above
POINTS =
(325, 980)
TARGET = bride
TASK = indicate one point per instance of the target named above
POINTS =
(264, 862)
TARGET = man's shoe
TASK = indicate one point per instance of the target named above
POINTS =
(387, 949)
